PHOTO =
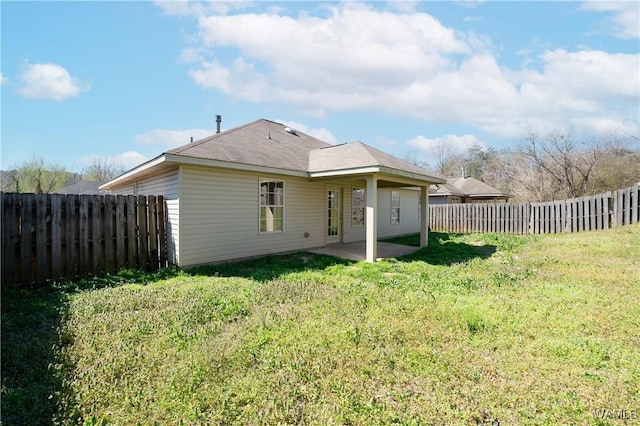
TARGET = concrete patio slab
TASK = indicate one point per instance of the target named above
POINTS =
(357, 251)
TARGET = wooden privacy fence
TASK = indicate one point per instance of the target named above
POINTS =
(50, 236)
(595, 212)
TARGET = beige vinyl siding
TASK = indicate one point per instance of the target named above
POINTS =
(219, 214)
(165, 184)
(408, 212)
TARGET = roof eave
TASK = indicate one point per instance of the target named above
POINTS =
(199, 161)
(402, 176)
(125, 177)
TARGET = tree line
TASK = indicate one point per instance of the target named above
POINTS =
(35, 175)
(549, 167)
(538, 168)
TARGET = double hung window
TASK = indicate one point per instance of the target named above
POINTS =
(271, 206)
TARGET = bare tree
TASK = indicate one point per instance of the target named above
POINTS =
(445, 158)
(102, 169)
(555, 167)
(412, 157)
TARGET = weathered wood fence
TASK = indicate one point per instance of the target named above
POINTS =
(50, 236)
(616, 208)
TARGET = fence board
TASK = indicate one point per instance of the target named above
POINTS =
(84, 237)
(56, 236)
(109, 213)
(121, 232)
(96, 243)
(27, 228)
(635, 204)
(71, 233)
(153, 233)
(9, 225)
(143, 233)
(132, 238)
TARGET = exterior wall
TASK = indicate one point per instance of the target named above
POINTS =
(213, 214)
(166, 184)
(219, 215)
(409, 221)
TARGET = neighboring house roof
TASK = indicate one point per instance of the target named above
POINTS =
(446, 189)
(469, 187)
(82, 188)
(267, 146)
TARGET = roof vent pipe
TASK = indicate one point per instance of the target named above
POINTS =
(462, 172)
(218, 121)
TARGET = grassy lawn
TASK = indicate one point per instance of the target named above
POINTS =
(527, 330)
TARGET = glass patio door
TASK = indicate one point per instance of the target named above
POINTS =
(334, 219)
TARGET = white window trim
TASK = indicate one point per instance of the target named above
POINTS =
(260, 182)
(364, 207)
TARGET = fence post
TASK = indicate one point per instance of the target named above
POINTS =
(635, 203)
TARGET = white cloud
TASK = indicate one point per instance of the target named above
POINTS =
(49, 81)
(3, 79)
(624, 18)
(354, 57)
(321, 133)
(128, 160)
(168, 139)
(187, 7)
(453, 144)
(403, 5)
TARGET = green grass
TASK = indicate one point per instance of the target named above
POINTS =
(525, 330)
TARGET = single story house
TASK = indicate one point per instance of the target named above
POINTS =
(265, 188)
(466, 189)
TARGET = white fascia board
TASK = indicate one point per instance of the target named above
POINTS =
(345, 172)
(395, 175)
(196, 161)
(410, 176)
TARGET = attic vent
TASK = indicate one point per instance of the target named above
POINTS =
(290, 130)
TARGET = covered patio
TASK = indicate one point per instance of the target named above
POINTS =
(357, 250)
(379, 170)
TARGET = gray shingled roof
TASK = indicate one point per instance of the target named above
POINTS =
(356, 155)
(250, 144)
(470, 187)
(448, 189)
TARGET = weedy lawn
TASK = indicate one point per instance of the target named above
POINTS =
(474, 328)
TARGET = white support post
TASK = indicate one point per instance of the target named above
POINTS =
(424, 216)
(372, 220)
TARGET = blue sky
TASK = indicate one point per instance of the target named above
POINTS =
(125, 81)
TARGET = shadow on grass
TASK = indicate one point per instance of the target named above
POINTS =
(33, 390)
(268, 268)
(443, 249)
